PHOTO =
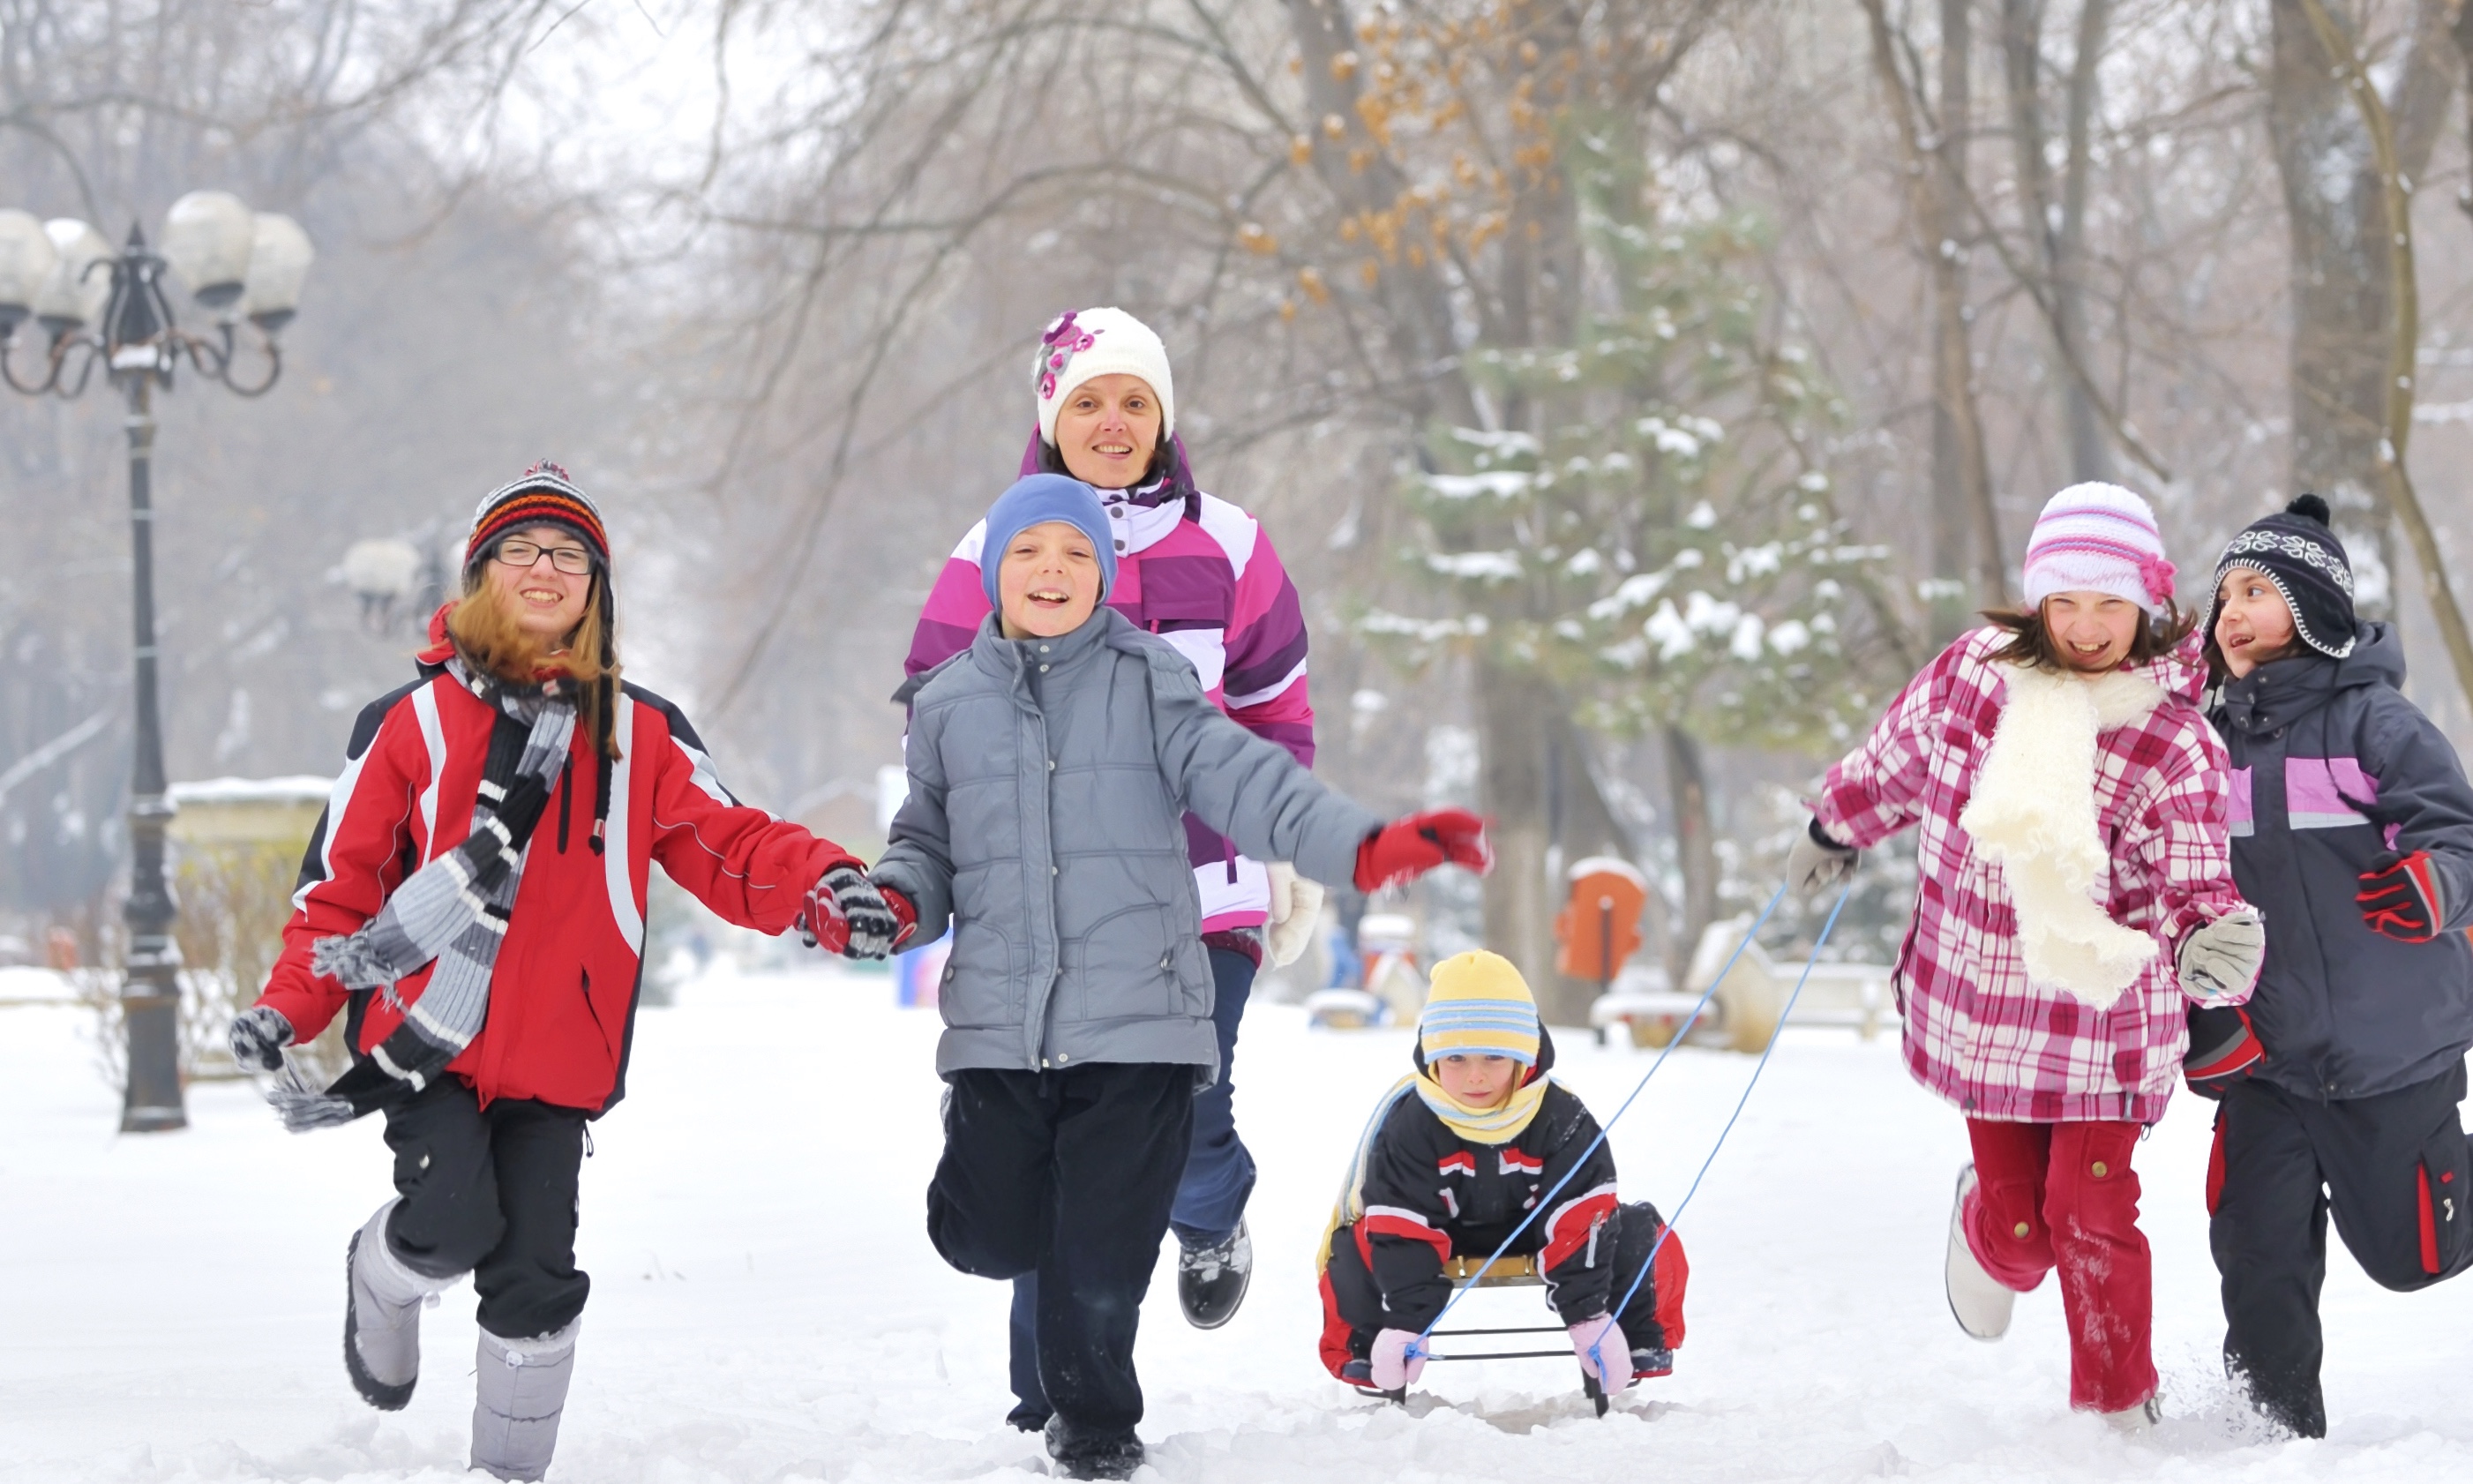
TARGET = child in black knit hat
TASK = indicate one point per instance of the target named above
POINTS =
(2352, 829)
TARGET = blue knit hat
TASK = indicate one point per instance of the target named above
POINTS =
(1035, 500)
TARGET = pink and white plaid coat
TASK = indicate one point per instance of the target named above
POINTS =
(1978, 1031)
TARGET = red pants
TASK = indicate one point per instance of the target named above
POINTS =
(2062, 1195)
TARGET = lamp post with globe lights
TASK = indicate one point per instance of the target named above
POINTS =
(91, 308)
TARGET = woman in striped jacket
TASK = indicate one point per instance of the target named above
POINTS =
(1201, 574)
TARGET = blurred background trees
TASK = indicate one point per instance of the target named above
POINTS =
(1639, 388)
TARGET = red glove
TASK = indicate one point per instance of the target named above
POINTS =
(903, 913)
(2400, 899)
(1406, 849)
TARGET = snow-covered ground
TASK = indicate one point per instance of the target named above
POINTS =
(767, 1307)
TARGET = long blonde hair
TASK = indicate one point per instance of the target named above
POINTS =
(488, 636)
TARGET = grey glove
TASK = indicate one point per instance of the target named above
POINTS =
(1817, 863)
(2220, 958)
(258, 1036)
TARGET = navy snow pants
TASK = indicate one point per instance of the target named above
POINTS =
(1210, 1201)
(2394, 1171)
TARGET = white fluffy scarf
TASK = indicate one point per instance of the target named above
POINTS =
(2033, 814)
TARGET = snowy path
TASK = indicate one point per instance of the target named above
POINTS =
(173, 1303)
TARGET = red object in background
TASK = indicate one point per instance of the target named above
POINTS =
(60, 948)
(1599, 928)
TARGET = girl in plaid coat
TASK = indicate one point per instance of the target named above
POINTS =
(2074, 893)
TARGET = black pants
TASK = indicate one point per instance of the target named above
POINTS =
(1353, 1311)
(2395, 1171)
(1210, 1195)
(492, 1194)
(1068, 1175)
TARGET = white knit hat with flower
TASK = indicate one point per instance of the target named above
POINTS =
(2099, 537)
(1088, 344)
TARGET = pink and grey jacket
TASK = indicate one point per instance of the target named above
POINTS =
(1978, 1031)
(1201, 574)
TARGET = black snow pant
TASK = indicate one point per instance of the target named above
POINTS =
(2395, 1171)
(1354, 1312)
(492, 1192)
(1068, 1175)
(1210, 1195)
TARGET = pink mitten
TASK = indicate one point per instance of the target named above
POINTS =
(1399, 1360)
(1604, 1351)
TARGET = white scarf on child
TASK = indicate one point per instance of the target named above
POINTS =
(2032, 814)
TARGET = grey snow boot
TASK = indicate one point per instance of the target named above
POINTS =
(521, 1391)
(382, 1304)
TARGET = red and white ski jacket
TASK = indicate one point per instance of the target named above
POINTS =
(1978, 1031)
(563, 994)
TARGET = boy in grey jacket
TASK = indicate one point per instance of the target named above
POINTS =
(1050, 766)
(2352, 829)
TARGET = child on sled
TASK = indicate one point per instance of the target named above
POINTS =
(1454, 1157)
(1050, 766)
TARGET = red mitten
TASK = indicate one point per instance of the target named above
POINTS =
(1406, 849)
(2400, 899)
(903, 912)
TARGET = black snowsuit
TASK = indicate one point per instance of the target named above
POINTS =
(1429, 1195)
(2354, 1110)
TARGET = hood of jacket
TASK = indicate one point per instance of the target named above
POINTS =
(2282, 691)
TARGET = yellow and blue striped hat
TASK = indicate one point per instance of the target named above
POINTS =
(1479, 1006)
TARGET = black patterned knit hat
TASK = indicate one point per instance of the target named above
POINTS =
(2299, 553)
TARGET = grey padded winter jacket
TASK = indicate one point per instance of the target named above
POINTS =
(2331, 766)
(1048, 784)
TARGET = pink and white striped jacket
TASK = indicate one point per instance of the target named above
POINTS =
(1978, 1031)
(1201, 574)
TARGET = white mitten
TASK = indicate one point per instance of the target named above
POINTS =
(1296, 911)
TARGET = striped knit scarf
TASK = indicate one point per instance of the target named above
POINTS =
(452, 911)
(1478, 1125)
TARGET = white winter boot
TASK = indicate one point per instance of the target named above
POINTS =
(1979, 1300)
(382, 1304)
(2136, 1419)
(521, 1390)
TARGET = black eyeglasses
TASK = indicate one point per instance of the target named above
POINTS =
(573, 560)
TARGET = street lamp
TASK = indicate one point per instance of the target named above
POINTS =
(94, 307)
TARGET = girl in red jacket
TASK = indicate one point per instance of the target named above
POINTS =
(474, 902)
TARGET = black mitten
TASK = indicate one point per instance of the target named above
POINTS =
(258, 1036)
(2223, 1049)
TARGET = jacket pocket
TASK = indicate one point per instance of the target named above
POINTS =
(2440, 1177)
(1124, 968)
(980, 990)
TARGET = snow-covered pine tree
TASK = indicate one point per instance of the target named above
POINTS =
(1650, 528)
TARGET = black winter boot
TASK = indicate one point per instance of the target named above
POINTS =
(1093, 1455)
(1211, 1282)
